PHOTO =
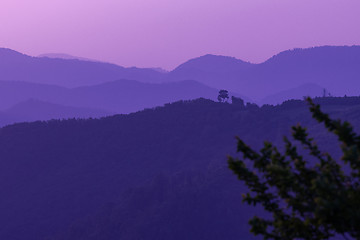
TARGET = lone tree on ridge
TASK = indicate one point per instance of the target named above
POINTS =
(223, 96)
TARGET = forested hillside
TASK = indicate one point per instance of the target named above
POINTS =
(156, 174)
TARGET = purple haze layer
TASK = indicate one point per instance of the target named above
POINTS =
(165, 33)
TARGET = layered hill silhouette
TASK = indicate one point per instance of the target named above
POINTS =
(332, 67)
(122, 96)
(65, 56)
(35, 110)
(305, 90)
(212, 70)
(155, 174)
(15, 66)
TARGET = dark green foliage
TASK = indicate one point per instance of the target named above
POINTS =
(316, 198)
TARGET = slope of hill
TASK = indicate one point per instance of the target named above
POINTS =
(126, 96)
(334, 68)
(34, 110)
(14, 92)
(64, 56)
(155, 174)
(15, 66)
(212, 70)
(305, 90)
(122, 96)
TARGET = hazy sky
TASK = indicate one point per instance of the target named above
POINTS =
(164, 33)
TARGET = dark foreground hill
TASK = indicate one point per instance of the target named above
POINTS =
(156, 174)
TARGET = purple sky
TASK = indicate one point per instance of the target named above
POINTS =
(165, 33)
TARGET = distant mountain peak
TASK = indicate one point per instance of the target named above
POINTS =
(65, 56)
(217, 58)
(64, 70)
(210, 61)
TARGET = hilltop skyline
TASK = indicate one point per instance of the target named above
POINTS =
(289, 74)
(158, 33)
(69, 56)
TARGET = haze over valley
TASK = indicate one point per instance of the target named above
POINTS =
(104, 88)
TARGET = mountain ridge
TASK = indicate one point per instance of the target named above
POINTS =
(65, 56)
(332, 67)
(67, 72)
(116, 97)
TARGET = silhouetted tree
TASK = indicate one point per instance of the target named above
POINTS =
(223, 96)
(306, 200)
